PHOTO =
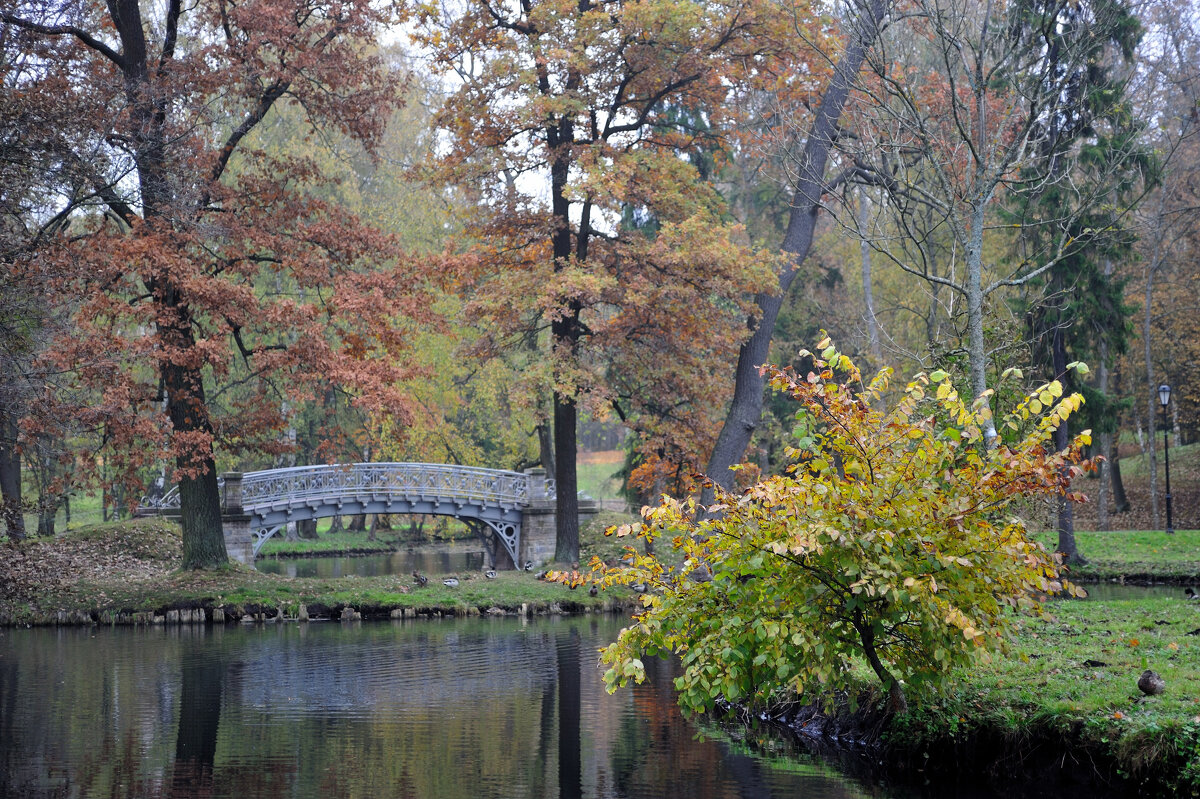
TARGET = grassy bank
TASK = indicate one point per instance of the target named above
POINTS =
(1127, 555)
(127, 571)
(1070, 690)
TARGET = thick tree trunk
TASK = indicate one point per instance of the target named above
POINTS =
(199, 498)
(976, 346)
(47, 511)
(1106, 439)
(1119, 500)
(1151, 388)
(358, 523)
(745, 410)
(566, 506)
(307, 529)
(10, 479)
(565, 335)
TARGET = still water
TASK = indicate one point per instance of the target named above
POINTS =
(437, 709)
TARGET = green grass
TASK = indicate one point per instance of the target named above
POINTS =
(1046, 689)
(597, 481)
(41, 577)
(609, 548)
(1137, 466)
(1143, 554)
(359, 542)
(331, 543)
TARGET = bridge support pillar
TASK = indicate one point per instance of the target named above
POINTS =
(537, 522)
(235, 522)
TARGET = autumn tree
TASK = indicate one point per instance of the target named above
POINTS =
(964, 103)
(186, 278)
(1163, 284)
(33, 130)
(745, 411)
(566, 116)
(1089, 152)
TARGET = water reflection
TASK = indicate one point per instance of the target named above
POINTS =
(471, 708)
(403, 562)
(202, 676)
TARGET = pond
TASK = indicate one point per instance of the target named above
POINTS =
(438, 709)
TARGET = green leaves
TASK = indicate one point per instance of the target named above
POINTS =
(901, 564)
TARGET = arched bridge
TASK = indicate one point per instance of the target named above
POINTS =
(265, 502)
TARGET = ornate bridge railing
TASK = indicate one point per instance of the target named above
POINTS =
(275, 497)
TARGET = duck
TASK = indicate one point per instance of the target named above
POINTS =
(421, 579)
(1190, 595)
(593, 591)
(1151, 684)
(490, 574)
(450, 582)
(529, 565)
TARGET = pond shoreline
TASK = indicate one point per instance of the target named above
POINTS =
(1043, 760)
(1067, 696)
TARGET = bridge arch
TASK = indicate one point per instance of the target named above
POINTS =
(491, 500)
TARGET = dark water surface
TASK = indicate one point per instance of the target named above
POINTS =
(438, 709)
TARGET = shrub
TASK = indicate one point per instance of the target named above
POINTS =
(888, 543)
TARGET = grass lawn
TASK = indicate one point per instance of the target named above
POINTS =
(1072, 678)
(1138, 554)
(131, 567)
(594, 472)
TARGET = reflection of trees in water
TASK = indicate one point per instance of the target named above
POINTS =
(487, 708)
(569, 743)
(680, 766)
(203, 674)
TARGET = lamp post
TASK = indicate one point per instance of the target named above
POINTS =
(1164, 399)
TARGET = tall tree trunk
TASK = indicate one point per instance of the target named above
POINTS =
(976, 345)
(1103, 488)
(545, 437)
(10, 479)
(1106, 438)
(566, 506)
(745, 410)
(565, 335)
(1120, 501)
(199, 499)
(868, 296)
(1106, 447)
